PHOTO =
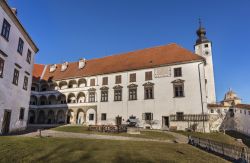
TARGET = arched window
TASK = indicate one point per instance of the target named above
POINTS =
(81, 97)
(72, 84)
(71, 98)
(82, 83)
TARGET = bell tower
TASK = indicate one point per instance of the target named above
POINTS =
(203, 47)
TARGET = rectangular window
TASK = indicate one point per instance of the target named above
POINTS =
(118, 79)
(91, 117)
(104, 117)
(105, 81)
(5, 29)
(1, 67)
(177, 72)
(117, 95)
(15, 77)
(92, 82)
(178, 90)
(132, 77)
(91, 96)
(147, 116)
(21, 114)
(28, 59)
(132, 93)
(148, 92)
(104, 95)
(180, 116)
(20, 46)
(25, 83)
(148, 75)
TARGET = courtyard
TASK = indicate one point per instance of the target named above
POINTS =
(48, 149)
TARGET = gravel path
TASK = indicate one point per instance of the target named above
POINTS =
(60, 134)
(52, 133)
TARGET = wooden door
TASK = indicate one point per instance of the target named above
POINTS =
(6, 122)
(118, 120)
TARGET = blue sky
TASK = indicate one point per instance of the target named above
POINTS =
(66, 30)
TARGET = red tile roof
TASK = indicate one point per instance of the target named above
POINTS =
(215, 105)
(140, 59)
(37, 71)
(243, 106)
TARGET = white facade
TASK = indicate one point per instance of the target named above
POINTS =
(230, 114)
(162, 105)
(242, 119)
(205, 50)
(14, 97)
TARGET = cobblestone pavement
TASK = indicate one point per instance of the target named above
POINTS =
(60, 134)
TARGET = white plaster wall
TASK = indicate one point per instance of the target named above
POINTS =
(209, 70)
(242, 120)
(163, 104)
(13, 97)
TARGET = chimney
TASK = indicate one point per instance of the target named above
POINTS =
(81, 63)
(64, 66)
(52, 68)
(14, 10)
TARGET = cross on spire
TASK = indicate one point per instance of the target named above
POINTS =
(200, 22)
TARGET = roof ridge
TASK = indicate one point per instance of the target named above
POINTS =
(126, 53)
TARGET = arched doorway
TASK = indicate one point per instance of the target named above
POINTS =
(51, 117)
(41, 117)
(70, 117)
(60, 117)
(32, 117)
(80, 117)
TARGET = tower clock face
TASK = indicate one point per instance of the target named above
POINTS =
(206, 53)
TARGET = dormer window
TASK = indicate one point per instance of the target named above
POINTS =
(64, 66)
(81, 63)
(52, 68)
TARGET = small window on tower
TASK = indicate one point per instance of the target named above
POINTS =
(206, 45)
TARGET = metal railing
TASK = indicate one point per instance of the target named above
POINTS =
(190, 117)
(227, 151)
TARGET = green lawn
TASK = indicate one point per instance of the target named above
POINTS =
(144, 134)
(21, 149)
(216, 136)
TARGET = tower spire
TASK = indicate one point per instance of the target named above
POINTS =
(201, 33)
(200, 22)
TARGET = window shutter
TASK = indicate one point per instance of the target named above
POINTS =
(148, 75)
(152, 116)
(105, 81)
(92, 82)
(143, 116)
(132, 77)
(118, 79)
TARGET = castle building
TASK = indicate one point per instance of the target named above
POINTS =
(17, 52)
(230, 114)
(159, 87)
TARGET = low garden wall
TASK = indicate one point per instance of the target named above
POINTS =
(227, 151)
(108, 128)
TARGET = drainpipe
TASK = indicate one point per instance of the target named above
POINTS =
(203, 123)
